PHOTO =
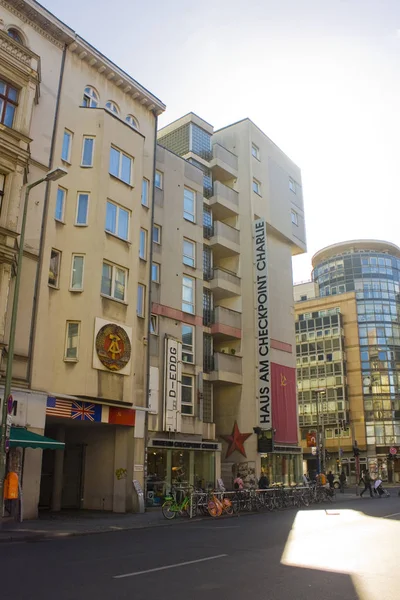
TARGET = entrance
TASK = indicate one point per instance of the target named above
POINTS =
(72, 492)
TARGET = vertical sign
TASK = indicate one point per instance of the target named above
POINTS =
(263, 389)
(172, 384)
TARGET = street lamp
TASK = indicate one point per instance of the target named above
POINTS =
(321, 442)
(52, 175)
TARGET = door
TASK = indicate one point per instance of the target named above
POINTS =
(72, 492)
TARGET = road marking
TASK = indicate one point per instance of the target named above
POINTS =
(182, 564)
(392, 515)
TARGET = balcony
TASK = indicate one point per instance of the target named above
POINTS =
(224, 202)
(224, 240)
(224, 369)
(224, 284)
(227, 324)
(224, 164)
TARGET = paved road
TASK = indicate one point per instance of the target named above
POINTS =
(347, 553)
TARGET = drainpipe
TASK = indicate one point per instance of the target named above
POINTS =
(39, 267)
(149, 304)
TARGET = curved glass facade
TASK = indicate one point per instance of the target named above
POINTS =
(375, 277)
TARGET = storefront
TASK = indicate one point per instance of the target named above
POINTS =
(283, 465)
(180, 463)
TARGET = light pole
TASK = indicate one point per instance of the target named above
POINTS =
(321, 462)
(52, 175)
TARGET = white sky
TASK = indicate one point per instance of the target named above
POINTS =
(319, 77)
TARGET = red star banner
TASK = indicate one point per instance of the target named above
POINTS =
(284, 409)
(236, 441)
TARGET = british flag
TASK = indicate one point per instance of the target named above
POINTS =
(85, 411)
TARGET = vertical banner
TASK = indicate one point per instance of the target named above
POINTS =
(284, 404)
(263, 389)
(172, 384)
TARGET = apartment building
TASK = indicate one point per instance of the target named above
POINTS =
(360, 281)
(252, 214)
(80, 359)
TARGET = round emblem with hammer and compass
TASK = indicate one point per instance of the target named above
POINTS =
(113, 347)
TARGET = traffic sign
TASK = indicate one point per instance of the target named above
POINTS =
(393, 451)
(10, 404)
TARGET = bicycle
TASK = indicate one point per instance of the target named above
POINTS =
(172, 507)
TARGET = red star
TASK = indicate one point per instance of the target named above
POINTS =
(236, 441)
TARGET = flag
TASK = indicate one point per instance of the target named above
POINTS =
(85, 411)
(121, 416)
(284, 404)
(58, 408)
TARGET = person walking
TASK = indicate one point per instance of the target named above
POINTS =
(263, 483)
(342, 481)
(238, 483)
(366, 480)
(331, 478)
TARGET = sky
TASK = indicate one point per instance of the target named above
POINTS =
(320, 77)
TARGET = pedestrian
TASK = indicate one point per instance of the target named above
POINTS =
(342, 480)
(306, 481)
(331, 478)
(263, 482)
(366, 480)
(238, 482)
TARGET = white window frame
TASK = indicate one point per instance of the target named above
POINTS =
(187, 256)
(256, 186)
(141, 310)
(64, 191)
(87, 137)
(66, 346)
(158, 228)
(160, 176)
(154, 324)
(193, 288)
(119, 209)
(55, 285)
(112, 107)
(143, 234)
(114, 267)
(255, 151)
(191, 387)
(121, 153)
(145, 192)
(188, 216)
(158, 270)
(71, 288)
(132, 122)
(91, 96)
(294, 217)
(67, 133)
(77, 209)
(292, 185)
(186, 349)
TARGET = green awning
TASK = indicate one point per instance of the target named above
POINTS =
(22, 438)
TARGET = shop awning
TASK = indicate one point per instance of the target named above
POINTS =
(22, 438)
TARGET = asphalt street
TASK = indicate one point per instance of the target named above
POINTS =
(343, 551)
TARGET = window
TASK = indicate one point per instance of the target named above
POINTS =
(187, 343)
(2, 188)
(257, 187)
(187, 395)
(255, 151)
(54, 270)
(60, 204)
(71, 340)
(189, 205)
(132, 122)
(189, 253)
(188, 290)
(145, 192)
(292, 185)
(82, 209)
(90, 98)
(113, 281)
(303, 298)
(87, 151)
(155, 272)
(143, 244)
(112, 107)
(8, 103)
(15, 35)
(117, 220)
(78, 261)
(158, 180)
(295, 217)
(141, 297)
(120, 165)
(66, 146)
(154, 324)
(157, 234)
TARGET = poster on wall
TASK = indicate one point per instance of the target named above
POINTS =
(172, 384)
(263, 389)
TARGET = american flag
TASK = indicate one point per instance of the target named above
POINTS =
(84, 411)
(58, 408)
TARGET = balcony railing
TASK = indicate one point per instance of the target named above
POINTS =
(222, 154)
(225, 192)
(226, 275)
(226, 231)
(228, 317)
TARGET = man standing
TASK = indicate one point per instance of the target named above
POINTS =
(331, 478)
(366, 480)
(342, 479)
